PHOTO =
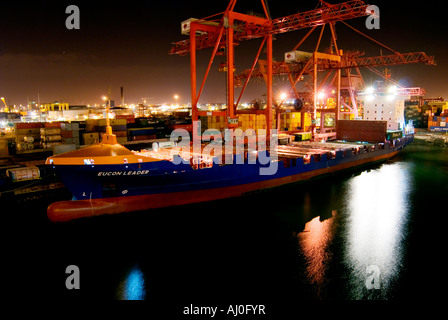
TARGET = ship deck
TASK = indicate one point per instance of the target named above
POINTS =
(302, 149)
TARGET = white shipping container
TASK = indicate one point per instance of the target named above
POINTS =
(53, 138)
(50, 131)
(297, 56)
(49, 145)
(24, 173)
(185, 25)
(66, 126)
(70, 126)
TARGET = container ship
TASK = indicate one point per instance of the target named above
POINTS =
(108, 178)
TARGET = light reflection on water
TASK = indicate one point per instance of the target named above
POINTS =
(314, 242)
(377, 205)
(133, 286)
(371, 222)
(389, 217)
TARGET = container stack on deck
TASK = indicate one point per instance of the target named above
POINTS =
(146, 129)
(291, 121)
(213, 122)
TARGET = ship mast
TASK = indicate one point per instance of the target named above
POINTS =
(109, 137)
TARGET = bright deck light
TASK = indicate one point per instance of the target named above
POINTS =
(392, 89)
(321, 95)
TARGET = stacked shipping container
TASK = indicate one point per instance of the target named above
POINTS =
(212, 122)
(289, 121)
(27, 136)
(42, 136)
(146, 129)
(437, 123)
(292, 121)
(98, 126)
(70, 133)
(50, 136)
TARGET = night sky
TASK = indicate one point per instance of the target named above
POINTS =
(126, 44)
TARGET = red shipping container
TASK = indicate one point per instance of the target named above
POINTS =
(28, 125)
(361, 130)
(67, 134)
(188, 127)
(120, 133)
(56, 124)
(130, 118)
(144, 137)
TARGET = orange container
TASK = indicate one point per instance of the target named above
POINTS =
(56, 124)
(28, 125)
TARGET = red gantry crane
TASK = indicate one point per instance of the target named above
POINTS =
(349, 60)
(223, 31)
(297, 64)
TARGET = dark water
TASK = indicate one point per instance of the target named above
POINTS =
(372, 234)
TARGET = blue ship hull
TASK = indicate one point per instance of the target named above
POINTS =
(164, 183)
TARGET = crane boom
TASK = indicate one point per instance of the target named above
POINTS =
(347, 61)
(388, 60)
(260, 27)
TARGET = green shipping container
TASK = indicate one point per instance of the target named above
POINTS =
(394, 134)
